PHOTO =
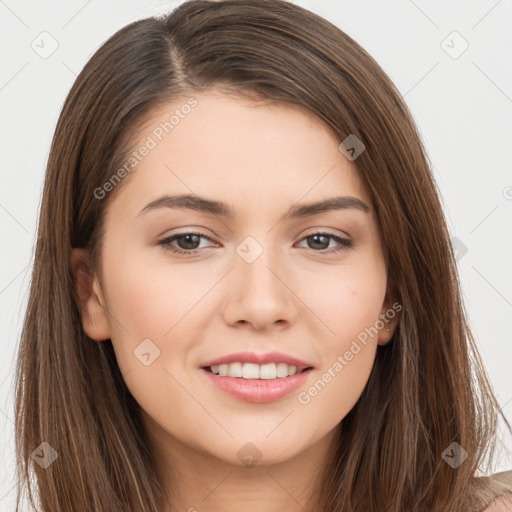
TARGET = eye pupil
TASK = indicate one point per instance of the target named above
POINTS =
(316, 237)
(187, 237)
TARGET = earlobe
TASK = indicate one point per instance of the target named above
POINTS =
(389, 318)
(89, 297)
(385, 336)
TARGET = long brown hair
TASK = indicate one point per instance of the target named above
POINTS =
(428, 388)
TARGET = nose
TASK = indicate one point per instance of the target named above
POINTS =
(260, 294)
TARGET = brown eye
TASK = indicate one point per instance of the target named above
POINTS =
(319, 242)
(187, 243)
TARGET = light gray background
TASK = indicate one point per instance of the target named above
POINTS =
(462, 105)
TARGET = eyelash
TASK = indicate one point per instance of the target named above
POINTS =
(345, 244)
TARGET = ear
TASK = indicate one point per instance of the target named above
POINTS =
(390, 316)
(89, 297)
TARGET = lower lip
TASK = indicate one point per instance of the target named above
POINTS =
(258, 390)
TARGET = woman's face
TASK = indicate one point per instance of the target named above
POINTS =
(274, 277)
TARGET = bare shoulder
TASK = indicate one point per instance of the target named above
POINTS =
(501, 504)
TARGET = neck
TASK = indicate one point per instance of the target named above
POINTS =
(196, 481)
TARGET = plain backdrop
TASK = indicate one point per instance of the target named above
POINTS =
(450, 60)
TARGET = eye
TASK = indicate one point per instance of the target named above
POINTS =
(189, 241)
(319, 239)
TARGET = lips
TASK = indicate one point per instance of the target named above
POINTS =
(256, 390)
(260, 359)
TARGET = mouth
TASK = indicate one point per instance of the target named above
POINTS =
(254, 383)
(252, 371)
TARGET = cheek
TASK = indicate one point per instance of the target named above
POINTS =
(151, 298)
(153, 324)
(349, 306)
(159, 302)
(336, 387)
(348, 301)
(347, 352)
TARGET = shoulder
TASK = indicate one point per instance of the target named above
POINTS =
(501, 504)
(501, 485)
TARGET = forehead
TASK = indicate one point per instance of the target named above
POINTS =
(241, 150)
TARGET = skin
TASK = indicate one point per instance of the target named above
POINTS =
(295, 298)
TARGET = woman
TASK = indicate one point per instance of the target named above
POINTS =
(313, 353)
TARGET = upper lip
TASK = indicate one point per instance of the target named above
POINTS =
(253, 357)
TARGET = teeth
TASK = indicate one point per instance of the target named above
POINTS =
(233, 370)
(254, 371)
(250, 371)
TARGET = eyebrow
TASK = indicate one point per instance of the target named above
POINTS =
(218, 208)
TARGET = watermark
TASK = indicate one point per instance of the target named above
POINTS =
(459, 247)
(152, 140)
(146, 352)
(45, 455)
(351, 147)
(507, 193)
(304, 397)
(45, 45)
(454, 455)
(249, 249)
(249, 454)
(454, 45)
